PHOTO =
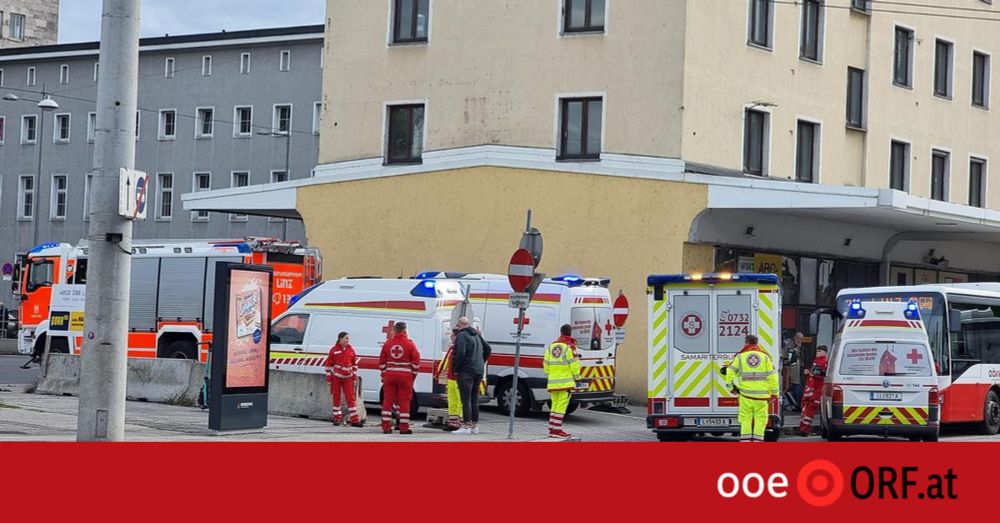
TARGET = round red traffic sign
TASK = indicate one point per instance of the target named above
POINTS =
(620, 310)
(521, 270)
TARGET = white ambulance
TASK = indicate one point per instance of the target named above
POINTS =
(881, 379)
(697, 324)
(583, 303)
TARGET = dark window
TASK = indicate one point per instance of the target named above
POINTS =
(980, 79)
(760, 23)
(939, 175)
(583, 16)
(861, 5)
(812, 13)
(976, 171)
(855, 97)
(899, 159)
(410, 21)
(942, 68)
(806, 152)
(902, 56)
(406, 133)
(755, 142)
(581, 129)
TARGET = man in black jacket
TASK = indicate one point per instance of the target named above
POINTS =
(471, 352)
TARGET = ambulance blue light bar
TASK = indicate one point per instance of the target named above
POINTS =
(303, 292)
(44, 246)
(855, 311)
(425, 289)
(912, 311)
(719, 277)
(572, 280)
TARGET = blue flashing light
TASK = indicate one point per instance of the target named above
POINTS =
(573, 280)
(242, 247)
(912, 311)
(667, 279)
(44, 246)
(301, 294)
(427, 275)
(425, 289)
(855, 311)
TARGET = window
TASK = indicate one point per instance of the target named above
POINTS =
(856, 97)
(580, 134)
(169, 69)
(317, 113)
(168, 124)
(3, 128)
(942, 68)
(31, 76)
(278, 177)
(977, 180)
(202, 182)
(57, 201)
(91, 127)
(285, 62)
(29, 129)
(902, 63)
(899, 166)
(807, 149)
(1, 77)
(980, 79)
(761, 16)
(245, 63)
(239, 179)
(940, 161)
(164, 196)
(61, 132)
(64, 74)
(86, 196)
(811, 41)
(281, 120)
(583, 16)
(206, 65)
(205, 122)
(406, 133)
(243, 121)
(97, 72)
(137, 127)
(290, 330)
(410, 21)
(863, 6)
(16, 26)
(755, 142)
(26, 198)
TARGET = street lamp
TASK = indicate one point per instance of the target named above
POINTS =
(288, 146)
(46, 104)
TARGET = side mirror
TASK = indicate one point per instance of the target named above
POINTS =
(954, 320)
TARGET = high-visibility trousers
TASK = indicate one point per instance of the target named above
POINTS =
(454, 404)
(560, 402)
(397, 389)
(753, 418)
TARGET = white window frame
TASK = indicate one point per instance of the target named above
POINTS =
(3, 129)
(561, 29)
(91, 127)
(387, 106)
(560, 97)
(771, 44)
(285, 61)
(54, 198)
(907, 169)
(97, 71)
(986, 171)
(820, 36)
(390, 36)
(237, 122)
(287, 178)
(32, 76)
(987, 95)
(195, 215)
(169, 67)
(768, 142)
(274, 118)
(64, 74)
(817, 148)
(317, 117)
(56, 138)
(912, 58)
(138, 123)
(951, 68)
(946, 197)
(206, 65)
(24, 27)
(161, 125)
(87, 186)
(24, 129)
(245, 65)
(236, 217)
(198, 134)
(1, 77)
(21, 194)
(159, 197)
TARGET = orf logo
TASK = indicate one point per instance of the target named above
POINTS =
(396, 351)
(820, 483)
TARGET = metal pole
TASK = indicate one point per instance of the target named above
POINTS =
(38, 185)
(288, 176)
(517, 365)
(103, 362)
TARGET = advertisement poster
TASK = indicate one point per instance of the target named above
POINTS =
(885, 359)
(246, 354)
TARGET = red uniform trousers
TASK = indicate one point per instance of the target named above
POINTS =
(810, 403)
(397, 389)
(345, 385)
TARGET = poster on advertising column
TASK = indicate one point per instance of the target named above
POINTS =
(246, 347)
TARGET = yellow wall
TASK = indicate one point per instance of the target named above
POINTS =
(471, 220)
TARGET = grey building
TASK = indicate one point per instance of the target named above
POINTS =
(215, 110)
(28, 22)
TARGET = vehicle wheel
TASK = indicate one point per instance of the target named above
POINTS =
(772, 435)
(991, 415)
(524, 399)
(571, 408)
(915, 438)
(672, 436)
(181, 350)
(58, 345)
(931, 437)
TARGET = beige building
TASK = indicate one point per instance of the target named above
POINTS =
(26, 23)
(837, 143)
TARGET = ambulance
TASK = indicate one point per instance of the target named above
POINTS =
(172, 290)
(880, 379)
(697, 324)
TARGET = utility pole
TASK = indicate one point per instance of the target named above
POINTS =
(104, 358)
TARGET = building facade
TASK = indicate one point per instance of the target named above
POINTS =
(836, 144)
(26, 23)
(215, 110)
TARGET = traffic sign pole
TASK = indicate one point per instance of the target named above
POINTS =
(517, 365)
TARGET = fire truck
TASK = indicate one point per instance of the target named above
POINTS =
(172, 285)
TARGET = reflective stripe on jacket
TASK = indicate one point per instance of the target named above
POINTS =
(752, 371)
(561, 365)
(341, 362)
(399, 357)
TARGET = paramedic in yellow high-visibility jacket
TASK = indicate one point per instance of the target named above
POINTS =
(752, 377)
(562, 368)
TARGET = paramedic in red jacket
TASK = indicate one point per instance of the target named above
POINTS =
(342, 371)
(399, 361)
(814, 387)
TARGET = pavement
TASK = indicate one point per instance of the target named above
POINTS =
(11, 373)
(8, 346)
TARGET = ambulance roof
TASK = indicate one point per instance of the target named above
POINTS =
(154, 248)
(567, 280)
(373, 295)
(879, 320)
(666, 279)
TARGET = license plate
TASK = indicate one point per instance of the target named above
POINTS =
(887, 396)
(713, 422)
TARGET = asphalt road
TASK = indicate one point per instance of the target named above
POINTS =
(11, 374)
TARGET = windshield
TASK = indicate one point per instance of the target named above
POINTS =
(885, 359)
(39, 274)
(931, 312)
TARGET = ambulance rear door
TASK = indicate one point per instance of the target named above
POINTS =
(734, 320)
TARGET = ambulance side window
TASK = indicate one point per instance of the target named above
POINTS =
(290, 330)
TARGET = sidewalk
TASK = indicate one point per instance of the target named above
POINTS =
(8, 346)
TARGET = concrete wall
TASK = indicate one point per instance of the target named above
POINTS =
(471, 220)
(41, 25)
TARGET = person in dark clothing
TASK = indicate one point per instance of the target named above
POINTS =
(471, 352)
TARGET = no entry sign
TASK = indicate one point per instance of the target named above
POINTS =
(620, 310)
(521, 270)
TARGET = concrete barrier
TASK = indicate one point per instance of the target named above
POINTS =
(63, 376)
(177, 382)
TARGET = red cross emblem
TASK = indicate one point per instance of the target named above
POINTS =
(753, 360)
(526, 321)
(556, 351)
(691, 325)
(396, 351)
(915, 356)
(608, 328)
(387, 330)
